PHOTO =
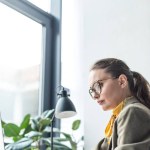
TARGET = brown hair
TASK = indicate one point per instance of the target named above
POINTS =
(139, 86)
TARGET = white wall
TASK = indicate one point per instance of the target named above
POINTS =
(113, 29)
(98, 29)
(71, 61)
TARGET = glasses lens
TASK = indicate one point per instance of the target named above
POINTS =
(91, 91)
(96, 89)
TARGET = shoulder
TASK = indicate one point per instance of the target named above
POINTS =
(135, 111)
(132, 124)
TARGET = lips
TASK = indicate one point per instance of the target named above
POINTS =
(100, 102)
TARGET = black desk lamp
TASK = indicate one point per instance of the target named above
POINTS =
(64, 109)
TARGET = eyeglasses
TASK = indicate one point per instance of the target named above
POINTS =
(96, 88)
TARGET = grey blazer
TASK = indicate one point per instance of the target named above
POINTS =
(131, 129)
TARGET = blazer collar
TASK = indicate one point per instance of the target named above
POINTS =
(131, 101)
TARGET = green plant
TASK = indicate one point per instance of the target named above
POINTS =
(32, 133)
(74, 142)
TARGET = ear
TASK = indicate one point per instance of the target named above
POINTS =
(123, 81)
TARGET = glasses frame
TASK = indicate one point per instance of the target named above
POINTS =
(99, 82)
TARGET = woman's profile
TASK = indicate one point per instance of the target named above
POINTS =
(127, 93)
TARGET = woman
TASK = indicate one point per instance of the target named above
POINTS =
(115, 87)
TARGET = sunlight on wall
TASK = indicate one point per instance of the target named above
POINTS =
(71, 61)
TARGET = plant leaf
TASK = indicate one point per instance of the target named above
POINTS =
(47, 113)
(43, 123)
(48, 130)
(20, 145)
(56, 144)
(11, 130)
(61, 139)
(3, 123)
(35, 124)
(27, 129)
(68, 137)
(33, 134)
(25, 121)
(76, 124)
(17, 138)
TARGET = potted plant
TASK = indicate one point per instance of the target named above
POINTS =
(67, 137)
(31, 134)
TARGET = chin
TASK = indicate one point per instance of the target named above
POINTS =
(106, 108)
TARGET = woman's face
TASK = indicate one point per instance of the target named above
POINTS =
(112, 91)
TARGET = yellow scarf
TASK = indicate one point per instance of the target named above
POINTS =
(115, 113)
(109, 127)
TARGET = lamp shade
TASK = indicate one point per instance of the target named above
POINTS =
(64, 107)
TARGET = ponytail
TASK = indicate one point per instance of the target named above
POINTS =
(141, 89)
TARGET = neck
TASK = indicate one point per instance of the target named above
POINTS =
(127, 94)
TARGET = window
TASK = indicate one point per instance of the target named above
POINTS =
(28, 76)
(20, 61)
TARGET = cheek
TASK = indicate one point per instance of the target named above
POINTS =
(111, 91)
